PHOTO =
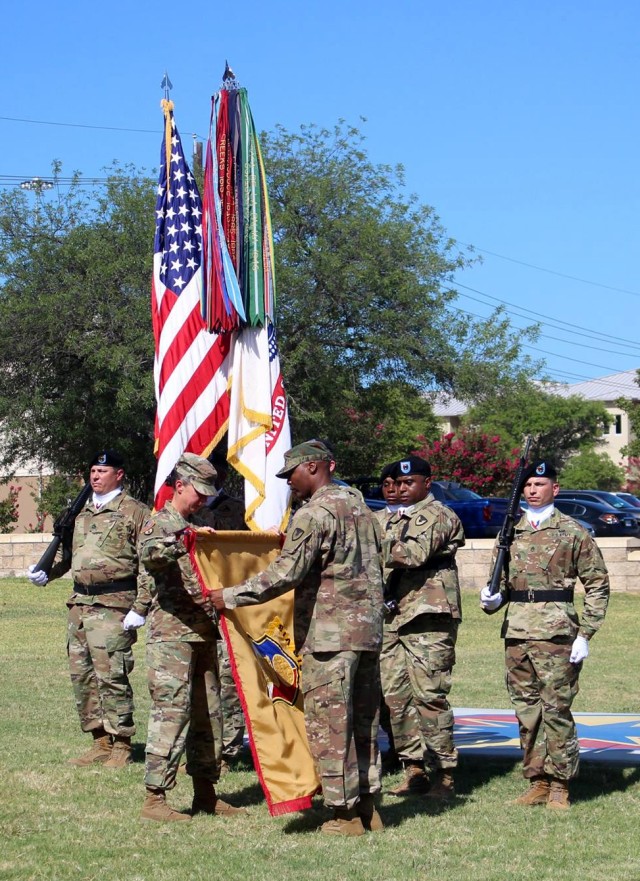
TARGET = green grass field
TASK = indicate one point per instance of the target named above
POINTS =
(60, 823)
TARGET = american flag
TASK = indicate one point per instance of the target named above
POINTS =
(191, 368)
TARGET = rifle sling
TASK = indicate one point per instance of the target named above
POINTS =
(92, 590)
(562, 595)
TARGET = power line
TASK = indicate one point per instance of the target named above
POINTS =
(108, 128)
(537, 316)
(596, 284)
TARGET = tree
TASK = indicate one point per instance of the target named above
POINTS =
(559, 426)
(368, 324)
(592, 470)
(474, 459)
(366, 293)
(76, 347)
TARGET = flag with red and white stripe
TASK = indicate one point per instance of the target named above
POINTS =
(191, 369)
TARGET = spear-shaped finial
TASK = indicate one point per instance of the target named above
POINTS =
(229, 80)
(166, 84)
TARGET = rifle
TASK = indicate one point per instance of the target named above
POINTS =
(508, 529)
(63, 531)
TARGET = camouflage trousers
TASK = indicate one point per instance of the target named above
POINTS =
(341, 705)
(185, 713)
(542, 684)
(100, 662)
(415, 668)
(232, 715)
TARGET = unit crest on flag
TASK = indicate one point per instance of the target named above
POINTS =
(279, 663)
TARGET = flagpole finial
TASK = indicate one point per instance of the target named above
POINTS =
(229, 80)
(167, 85)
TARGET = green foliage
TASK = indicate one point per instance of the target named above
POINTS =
(559, 426)
(76, 348)
(591, 470)
(473, 459)
(9, 509)
(366, 295)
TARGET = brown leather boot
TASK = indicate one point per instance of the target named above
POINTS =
(155, 807)
(415, 781)
(442, 787)
(559, 795)
(120, 753)
(99, 752)
(345, 822)
(205, 800)
(537, 794)
(371, 819)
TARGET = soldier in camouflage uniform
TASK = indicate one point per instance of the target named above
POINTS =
(181, 655)
(419, 544)
(545, 643)
(330, 555)
(223, 511)
(108, 603)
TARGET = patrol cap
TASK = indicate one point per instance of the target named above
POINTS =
(107, 457)
(411, 465)
(198, 472)
(541, 468)
(309, 451)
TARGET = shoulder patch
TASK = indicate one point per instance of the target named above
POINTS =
(297, 533)
(421, 520)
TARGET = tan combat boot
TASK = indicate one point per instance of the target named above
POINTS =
(442, 787)
(120, 753)
(205, 800)
(537, 794)
(99, 752)
(559, 795)
(155, 807)
(371, 819)
(415, 781)
(345, 822)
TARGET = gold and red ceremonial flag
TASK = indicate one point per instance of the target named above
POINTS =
(265, 667)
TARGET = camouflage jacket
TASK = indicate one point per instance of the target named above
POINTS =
(418, 554)
(105, 549)
(178, 610)
(552, 557)
(331, 557)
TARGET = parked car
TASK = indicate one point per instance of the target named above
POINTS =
(480, 518)
(602, 518)
(601, 497)
(629, 498)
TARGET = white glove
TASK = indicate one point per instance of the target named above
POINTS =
(490, 601)
(132, 620)
(579, 650)
(37, 576)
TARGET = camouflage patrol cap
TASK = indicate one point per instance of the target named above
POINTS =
(310, 451)
(411, 465)
(107, 457)
(540, 469)
(198, 472)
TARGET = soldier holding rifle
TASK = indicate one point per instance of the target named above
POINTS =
(545, 642)
(105, 607)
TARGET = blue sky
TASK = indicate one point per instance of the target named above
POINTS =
(518, 121)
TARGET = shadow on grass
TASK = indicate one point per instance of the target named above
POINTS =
(595, 781)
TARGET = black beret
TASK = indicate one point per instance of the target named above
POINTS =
(411, 465)
(387, 471)
(539, 469)
(107, 457)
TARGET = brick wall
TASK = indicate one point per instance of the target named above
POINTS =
(622, 556)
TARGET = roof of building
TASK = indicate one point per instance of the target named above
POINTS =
(605, 388)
